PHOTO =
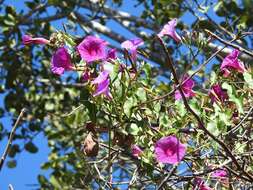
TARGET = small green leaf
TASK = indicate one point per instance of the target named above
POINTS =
(128, 105)
(248, 79)
(12, 164)
(212, 128)
(13, 150)
(133, 129)
(30, 147)
(141, 94)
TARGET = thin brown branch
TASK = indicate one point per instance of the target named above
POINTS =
(7, 148)
(229, 43)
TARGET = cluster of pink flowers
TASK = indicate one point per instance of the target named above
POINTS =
(168, 150)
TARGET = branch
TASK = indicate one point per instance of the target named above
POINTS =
(115, 14)
(7, 148)
(230, 44)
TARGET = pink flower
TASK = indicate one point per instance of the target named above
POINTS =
(136, 151)
(26, 39)
(217, 94)
(61, 61)
(187, 89)
(169, 29)
(220, 174)
(86, 76)
(132, 46)
(111, 54)
(231, 62)
(102, 82)
(92, 49)
(200, 185)
(169, 150)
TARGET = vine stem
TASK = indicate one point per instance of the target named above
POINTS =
(199, 120)
(7, 148)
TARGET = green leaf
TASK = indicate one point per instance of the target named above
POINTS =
(141, 94)
(13, 150)
(128, 105)
(133, 129)
(12, 164)
(238, 101)
(30, 147)
(212, 128)
(180, 107)
(217, 6)
(55, 182)
(248, 79)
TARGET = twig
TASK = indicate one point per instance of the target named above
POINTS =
(229, 43)
(234, 129)
(7, 148)
(11, 187)
(167, 177)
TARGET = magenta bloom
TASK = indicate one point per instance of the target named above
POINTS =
(132, 46)
(61, 61)
(221, 174)
(170, 30)
(92, 49)
(136, 151)
(200, 185)
(217, 94)
(187, 89)
(231, 62)
(169, 150)
(102, 82)
(26, 39)
(111, 54)
(86, 76)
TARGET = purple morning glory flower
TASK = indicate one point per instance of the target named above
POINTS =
(26, 39)
(61, 61)
(170, 30)
(169, 150)
(187, 89)
(111, 54)
(231, 62)
(136, 151)
(102, 82)
(217, 94)
(92, 49)
(86, 76)
(132, 46)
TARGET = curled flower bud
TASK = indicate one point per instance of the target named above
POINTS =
(102, 82)
(136, 151)
(132, 46)
(170, 30)
(26, 39)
